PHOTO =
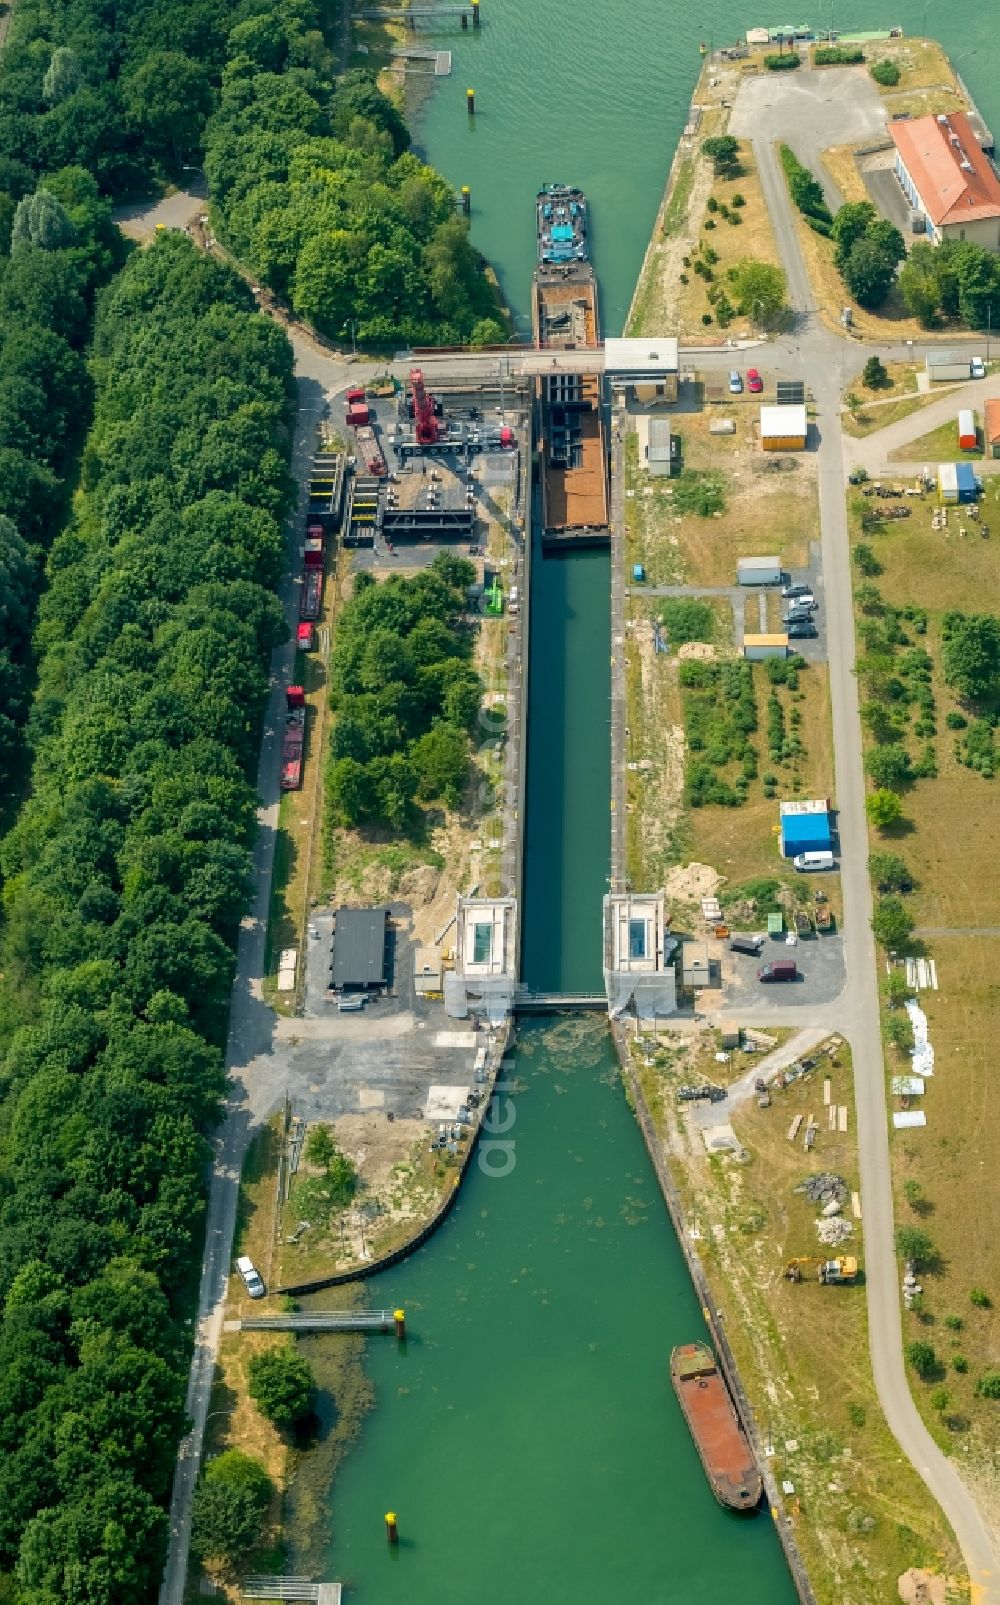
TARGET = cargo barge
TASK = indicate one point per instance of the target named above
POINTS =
(719, 1438)
(572, 441)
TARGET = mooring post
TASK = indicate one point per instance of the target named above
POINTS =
(470, 101)
(391, 1530)
(466, 200)
(399, 1321)
(475, 13)
(465, 21)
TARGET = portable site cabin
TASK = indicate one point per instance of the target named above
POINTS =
(957, 482)
(991, 427)
(805, 827)
(758, 647)
(758, 571)
(941, 365)
(968, 440)
(783, 428)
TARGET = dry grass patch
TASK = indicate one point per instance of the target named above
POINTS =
(770, 505)
(752, 237)
(840, 163)
(874, 416)
(953, 1163)
(861, 1513)
(923, 64)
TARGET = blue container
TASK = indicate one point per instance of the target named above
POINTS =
(638, 573)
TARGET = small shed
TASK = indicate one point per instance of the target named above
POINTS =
(783, 428)
(696, 966)
(968, 439)
(758, 571)
(758, 647)
(427, 971)
(991, 427)
(663, 453)
(805, 833)
(359, 949)
(729, 1040)
(775, 924)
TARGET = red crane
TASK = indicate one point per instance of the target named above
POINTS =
(426, 425)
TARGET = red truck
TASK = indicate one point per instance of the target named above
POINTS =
(313, 552)
(293, 738)
(357, 407)
(304, 638)
(311, 598)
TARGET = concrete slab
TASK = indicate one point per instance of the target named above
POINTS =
(371, 1098)
(456, 1039)
(443, 1103)
(816, 109)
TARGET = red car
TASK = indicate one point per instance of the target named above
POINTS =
(755, 383)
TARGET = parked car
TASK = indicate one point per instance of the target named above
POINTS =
(805, 599)
(977, 368)
(746, 944)
(796, 590)
(251, 1276)
(799, 615)
(801, 630)
(810, 863)
(735, 384)
(755, 383)
(780, 970)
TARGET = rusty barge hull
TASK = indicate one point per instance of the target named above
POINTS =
(719, 1438)
(572, 441)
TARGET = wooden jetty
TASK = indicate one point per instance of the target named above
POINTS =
(298, 1588)
(440, 59)
(415, 14)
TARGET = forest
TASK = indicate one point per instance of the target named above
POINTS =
(124, 881)
(406, 697)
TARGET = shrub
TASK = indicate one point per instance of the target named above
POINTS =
(700, 490)
(883, 808)
(782, 63)
(959, 1363)
(923, 1359)
(899, 1032)
(686, 619)
(706, 317)
(738, 200)
(988, 1386)
(885, 73)
(866, 561)
(955, 720)
(710, 256)
(875, 375)
(914, 1244)
(889, 872)
(837, 56)
(940, 1398)
(980, 1298)
(230, 1504)
(805, 190)
(892, 924)
(712, 204)
(282, 1385)
(724, 153)
(954, 1323)
(710, 222)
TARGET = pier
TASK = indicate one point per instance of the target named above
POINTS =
(291, 1588)
(416, 14)
(317, 1321)
(439, 59)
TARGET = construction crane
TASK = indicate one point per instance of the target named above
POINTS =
(425, 423)
(830, 1271)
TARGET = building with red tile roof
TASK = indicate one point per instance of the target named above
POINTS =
(944, 174)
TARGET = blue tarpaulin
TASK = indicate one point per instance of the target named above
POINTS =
(805, 833)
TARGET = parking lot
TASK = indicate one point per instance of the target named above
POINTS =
(818, 959)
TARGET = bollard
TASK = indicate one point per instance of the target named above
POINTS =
(466, 200)
(465, 22)
(470, 101)
(391, 1530)
(475, 13)
(399, 1320)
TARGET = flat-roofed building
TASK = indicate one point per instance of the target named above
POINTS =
(639, 973)
(360, 938)
(484, 976)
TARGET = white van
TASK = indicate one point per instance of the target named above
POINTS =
(811, 862)
(513, 601)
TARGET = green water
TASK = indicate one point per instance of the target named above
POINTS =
(527, 1435)
(572, 91)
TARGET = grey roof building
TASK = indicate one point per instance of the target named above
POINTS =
(359, 943)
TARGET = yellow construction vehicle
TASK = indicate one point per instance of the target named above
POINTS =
(844, 1269)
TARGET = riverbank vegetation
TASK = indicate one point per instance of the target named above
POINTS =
(315, 188)
(943, 1174)
(125, 878)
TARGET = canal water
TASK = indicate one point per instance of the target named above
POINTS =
(526, 1435)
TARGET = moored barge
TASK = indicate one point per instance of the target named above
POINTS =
(719, 1437)
(572, 439)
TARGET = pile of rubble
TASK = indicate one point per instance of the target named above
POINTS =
(833, 1230)
(825, 1188)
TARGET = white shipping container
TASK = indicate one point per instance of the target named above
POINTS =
(948, 481)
